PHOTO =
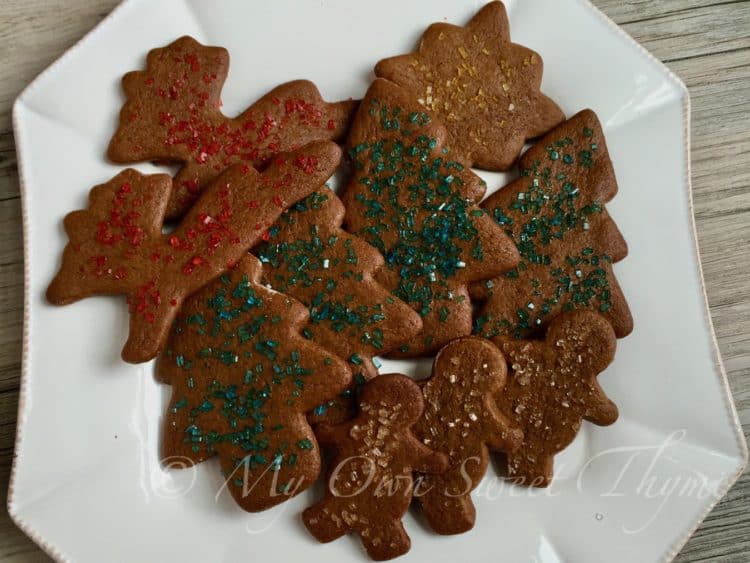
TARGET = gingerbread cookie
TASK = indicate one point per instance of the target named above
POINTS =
(309, 257)
(555, 214)
(117, 246)
(173, 113)
(552, 386)
(369, 485)
(243, 378)
(408, 199)
(484, 88)
(462, 421)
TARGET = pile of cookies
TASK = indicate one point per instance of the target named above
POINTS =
(267, 298)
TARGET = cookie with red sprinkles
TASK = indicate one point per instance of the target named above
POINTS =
(173, 113)
(116, 245)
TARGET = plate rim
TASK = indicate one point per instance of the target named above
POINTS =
(719, 369)
(726, 484)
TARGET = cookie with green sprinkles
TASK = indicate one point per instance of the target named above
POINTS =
(485, 89)
(173, 113)
(552, 386)
(370, 481)
(409, 199)
(116, 245)
(311, 258)
(243, 377)
(568, 242)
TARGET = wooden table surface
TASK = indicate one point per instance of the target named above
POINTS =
(706, 42)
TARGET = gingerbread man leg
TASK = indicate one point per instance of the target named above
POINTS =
(323, 523)
(448, 514)
(386, 540)
(530, 470)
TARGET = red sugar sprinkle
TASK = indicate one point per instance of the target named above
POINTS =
(214, 241)
(306, 164)
(193, 61)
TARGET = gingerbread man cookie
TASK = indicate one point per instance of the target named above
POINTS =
(462, 421)
(552, 387)
(370, 485)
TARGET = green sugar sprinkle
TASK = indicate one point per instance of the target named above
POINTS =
(181, 404)
(305, 444)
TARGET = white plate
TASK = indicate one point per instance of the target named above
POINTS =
(87, 485)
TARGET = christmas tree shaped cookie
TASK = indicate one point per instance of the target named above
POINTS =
(242, 379)
(408, 199)
(117, 247)
(555, 214)
(552, 387)
(462, 421)
(309, 257)
(484, 88)
(173, 113)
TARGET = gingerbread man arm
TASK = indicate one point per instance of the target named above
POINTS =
(331, 435)
(425, 460)
(500, 433)
(594, 348)
(600, 409)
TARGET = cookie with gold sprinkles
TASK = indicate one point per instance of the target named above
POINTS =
(117, 247)
(408, 198)
(311, 258)
(568, 242)
(243, 377)
(369, 483)
(552, 387)
(485, 89)
(173, 113)
(462, 420)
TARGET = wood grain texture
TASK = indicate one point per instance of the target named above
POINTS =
(706, 42)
